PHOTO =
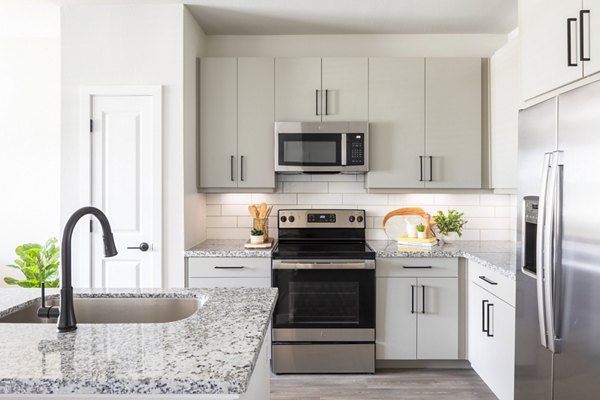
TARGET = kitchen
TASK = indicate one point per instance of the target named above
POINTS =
(440, 94)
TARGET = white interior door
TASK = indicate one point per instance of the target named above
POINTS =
(126, 185)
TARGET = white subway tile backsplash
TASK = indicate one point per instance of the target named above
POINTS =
(495, 200)
(305, 187)
(457, 199)
(228, 198)
(411, 200)
(488, 223)
(221, 222)
(366, 198)
(375, 234)
(227, 233)
(347, 187)
(235, 209)
(273, 198)
(319, 198)
(470, 234)
(213, 210)
(496, 234)
(333, 178)
(503, 212)
(294, 178)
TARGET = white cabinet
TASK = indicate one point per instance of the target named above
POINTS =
(491, 337)
(236, 123)
(453, 123)
(417, 313)
(559, 43)
(425, 123)
(396, 122)
(315, 89)
(208, 272)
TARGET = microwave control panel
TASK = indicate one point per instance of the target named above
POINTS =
(355, 150)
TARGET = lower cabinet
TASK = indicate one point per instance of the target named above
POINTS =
(417, 316)
(210, 272)
(492, 340)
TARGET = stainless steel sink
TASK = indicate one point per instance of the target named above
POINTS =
(114, 311)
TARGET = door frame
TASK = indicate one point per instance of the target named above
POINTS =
(83, 276)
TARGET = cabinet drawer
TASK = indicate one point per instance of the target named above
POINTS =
(217, 267)
(493, 281)
(417, 267)
(229, 282)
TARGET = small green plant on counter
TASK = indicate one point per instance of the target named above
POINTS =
(256, 232)
(38, 263)
(420, 228)
(453, 222)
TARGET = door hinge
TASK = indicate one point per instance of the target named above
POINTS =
(91, 125)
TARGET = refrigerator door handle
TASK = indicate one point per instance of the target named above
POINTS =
(552, 237)
(539, 248)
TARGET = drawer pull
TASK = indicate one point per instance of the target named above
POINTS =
(417, 266)
(233, 267)
(488, 280)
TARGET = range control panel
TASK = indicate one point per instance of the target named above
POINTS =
(355, 149)
(321, 219)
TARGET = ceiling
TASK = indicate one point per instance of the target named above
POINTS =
(304, 17)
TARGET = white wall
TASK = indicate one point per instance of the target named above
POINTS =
(195, 203)
(29, 127)
(355, 45)
(128, 45)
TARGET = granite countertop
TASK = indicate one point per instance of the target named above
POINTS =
(494, 254)
(226, 248)
(213, 351)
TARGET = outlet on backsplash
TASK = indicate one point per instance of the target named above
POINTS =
(490, 216)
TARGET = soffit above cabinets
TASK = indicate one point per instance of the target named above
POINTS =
(292, 17)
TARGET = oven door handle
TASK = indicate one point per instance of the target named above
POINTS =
(317, 264)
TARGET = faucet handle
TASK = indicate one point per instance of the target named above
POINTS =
(46, 312)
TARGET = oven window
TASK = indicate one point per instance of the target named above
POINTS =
(310, 149)
(323, 302)
(324, 298)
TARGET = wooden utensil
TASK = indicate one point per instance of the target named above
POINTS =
(269, 211)
(262, 210)
(253, 211)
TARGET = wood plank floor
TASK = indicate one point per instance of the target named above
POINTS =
(409, 384)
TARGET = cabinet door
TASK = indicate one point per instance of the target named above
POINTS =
(297, 89)
(396, 332)
(476, 319)
(544, 48)
(453, 123)
(396, 122)
(437, 319)
(591, 39)
(345, 84)
(256, 108)
(218, 125)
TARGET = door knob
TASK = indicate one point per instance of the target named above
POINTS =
(143, 247)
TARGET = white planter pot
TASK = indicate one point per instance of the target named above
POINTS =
(451, 237)
(257, 239)
(421, 235)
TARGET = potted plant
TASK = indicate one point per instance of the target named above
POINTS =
(451, 225)
(421, 231)
(257, 236)
(39, 264)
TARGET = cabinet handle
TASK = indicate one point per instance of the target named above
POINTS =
(242, 168)
(430, 169)
(232, 267)
(582, 41)
(483, 319)
(423, 310)
(487, 280)
(570, 63)
(489, 329)
(317, 102)
(421, 168)
(412, 299)
(417, 266)
(326, 101)
(231, 168)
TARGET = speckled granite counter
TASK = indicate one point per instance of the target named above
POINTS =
(497, 255)
(214, 351)
(225, 248)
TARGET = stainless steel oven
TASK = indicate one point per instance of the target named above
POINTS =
(326, 147)
(324, 319)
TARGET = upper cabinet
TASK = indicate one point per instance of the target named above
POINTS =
(315, 89)
(559, 43)
(236, 123)
(425, 123)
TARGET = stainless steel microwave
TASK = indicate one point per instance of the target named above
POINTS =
(325, 147)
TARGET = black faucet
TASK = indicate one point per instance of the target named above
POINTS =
(66, 317)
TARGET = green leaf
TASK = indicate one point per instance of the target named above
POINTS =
(38, 263)
(10, 281)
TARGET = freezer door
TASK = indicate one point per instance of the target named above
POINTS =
(533, 363)
(577, 367)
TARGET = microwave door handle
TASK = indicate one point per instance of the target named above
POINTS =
(539, 248)
(344, 149)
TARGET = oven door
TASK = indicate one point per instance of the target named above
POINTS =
(309, 151)
(324, 295)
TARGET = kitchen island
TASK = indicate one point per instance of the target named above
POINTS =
(216, 353)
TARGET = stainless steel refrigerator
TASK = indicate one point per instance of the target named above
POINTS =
(558, 264)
